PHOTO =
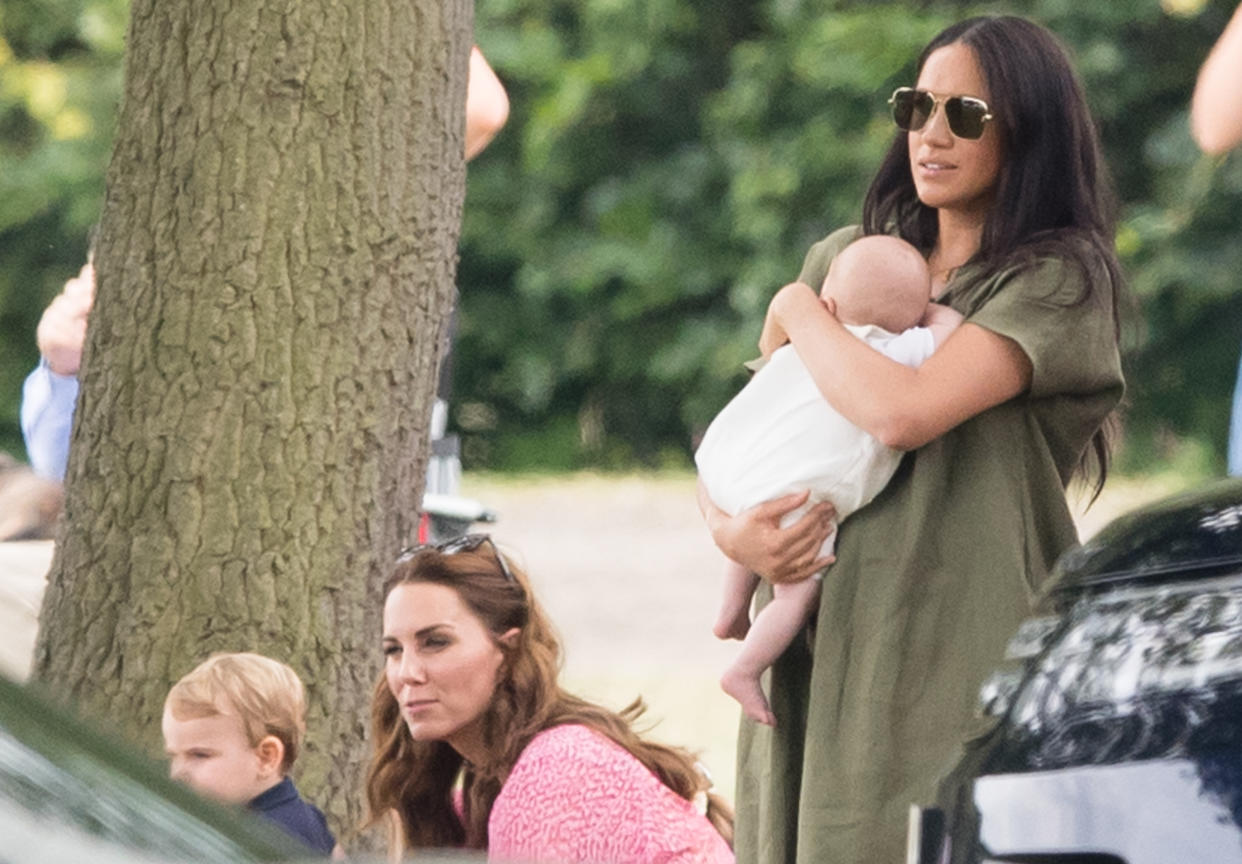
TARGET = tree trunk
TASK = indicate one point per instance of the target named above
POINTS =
(276, 259)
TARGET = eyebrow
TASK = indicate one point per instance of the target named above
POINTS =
(418, 634)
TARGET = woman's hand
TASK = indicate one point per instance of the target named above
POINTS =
(788, 303)
(755, 539)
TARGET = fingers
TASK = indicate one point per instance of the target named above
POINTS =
(62, 329)
(812, 528)
(80, 290)
(805, 548)
(800, 544)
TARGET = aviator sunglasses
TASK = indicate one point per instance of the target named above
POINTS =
(912, 109)
(464, 543)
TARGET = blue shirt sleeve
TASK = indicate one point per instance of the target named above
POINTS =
(48, 401)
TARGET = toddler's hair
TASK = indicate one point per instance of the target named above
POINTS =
(264, 693)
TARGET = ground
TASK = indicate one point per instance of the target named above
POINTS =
(624, 567)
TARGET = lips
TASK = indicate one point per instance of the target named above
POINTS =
(415, 706)
(932, 166)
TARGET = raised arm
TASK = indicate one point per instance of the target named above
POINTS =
(51, 390)
(902, 407)
(487, 104)
(1216, 107)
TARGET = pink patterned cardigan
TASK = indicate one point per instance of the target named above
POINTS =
(575, 797)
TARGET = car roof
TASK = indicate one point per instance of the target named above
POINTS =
(1194, 535)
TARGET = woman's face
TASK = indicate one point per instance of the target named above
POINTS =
(442, 665)
(950, 173)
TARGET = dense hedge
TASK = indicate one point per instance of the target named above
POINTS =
(665, 167)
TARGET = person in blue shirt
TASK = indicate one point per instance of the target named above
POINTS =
(233, 727)
(51, 390)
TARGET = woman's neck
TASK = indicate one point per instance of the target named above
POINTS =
(468, 742)
(957, 240)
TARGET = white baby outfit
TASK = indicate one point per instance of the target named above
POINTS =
(779, 435)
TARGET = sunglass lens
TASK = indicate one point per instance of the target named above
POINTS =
(903, 108)
(965, 116)
(911, 108)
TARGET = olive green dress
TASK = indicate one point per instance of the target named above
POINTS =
(931, 580)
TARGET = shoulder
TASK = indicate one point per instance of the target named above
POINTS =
(815, 265)
(562, 795)
(571, 749)
(575, 795)
(297, 816)
(1060, 272)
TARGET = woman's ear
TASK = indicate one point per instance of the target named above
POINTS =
(271, 753)
(509, 638)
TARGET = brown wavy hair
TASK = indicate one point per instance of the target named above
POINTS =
(415, 779)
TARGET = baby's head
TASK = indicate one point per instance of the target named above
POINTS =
(879, 280)
(234, 725)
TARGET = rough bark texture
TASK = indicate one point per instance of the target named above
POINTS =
(275, 265)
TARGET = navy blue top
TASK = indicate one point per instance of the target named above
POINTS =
(284, 806)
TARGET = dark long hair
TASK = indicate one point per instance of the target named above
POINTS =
(415, 779)
(1054, 195)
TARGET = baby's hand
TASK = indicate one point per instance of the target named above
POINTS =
(941, 320)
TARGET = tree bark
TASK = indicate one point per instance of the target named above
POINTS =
(275, 267)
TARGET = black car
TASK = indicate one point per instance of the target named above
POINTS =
(1117, 717)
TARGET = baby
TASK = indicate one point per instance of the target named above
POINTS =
(779, 435)
(232, 730)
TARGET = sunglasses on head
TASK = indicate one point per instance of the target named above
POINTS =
(912, 109)
(464, 543)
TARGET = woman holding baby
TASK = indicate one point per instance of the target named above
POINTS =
(996, 177)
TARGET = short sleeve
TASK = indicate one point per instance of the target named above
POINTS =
(1063, 324)
(815, 265)
(48, 401)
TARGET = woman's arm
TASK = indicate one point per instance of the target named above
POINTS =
(902, 407)
(1216, 107)
(487, 104)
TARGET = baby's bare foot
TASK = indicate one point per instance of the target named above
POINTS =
(749, 694)
(732, 624)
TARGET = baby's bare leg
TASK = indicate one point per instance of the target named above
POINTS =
(773, 629)
(733, 620)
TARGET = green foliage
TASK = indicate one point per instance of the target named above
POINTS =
(666, 165)
(668, 162)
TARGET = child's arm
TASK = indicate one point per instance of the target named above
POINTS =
(941, 321)
(773, 335)
(1215, 109)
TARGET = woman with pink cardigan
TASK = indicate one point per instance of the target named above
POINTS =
(477, 746)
